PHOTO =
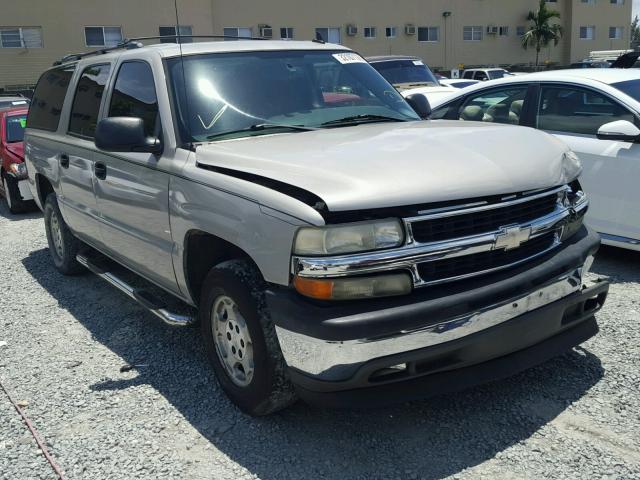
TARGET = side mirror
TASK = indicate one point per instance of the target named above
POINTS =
(420, 105)
(125, 134)
(621, 130)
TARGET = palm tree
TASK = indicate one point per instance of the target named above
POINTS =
(541, 32)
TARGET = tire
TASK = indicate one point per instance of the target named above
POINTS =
(63, 245)
(267, 388)
(12, 195)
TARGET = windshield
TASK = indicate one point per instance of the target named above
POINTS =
(630, 87)
(15, 128)
(232, 93)
(406, 71)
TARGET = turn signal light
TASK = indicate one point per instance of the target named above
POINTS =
(352, 288)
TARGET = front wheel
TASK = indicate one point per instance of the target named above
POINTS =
(241, 340)
(63, 245)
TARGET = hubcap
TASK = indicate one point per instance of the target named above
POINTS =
(232, 340)
(7, 195)
(56, 234)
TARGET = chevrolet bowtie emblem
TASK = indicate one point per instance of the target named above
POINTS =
(511, 237)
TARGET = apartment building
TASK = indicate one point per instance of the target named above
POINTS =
(446, 33)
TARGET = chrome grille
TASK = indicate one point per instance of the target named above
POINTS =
(463, 225)
(475, 264)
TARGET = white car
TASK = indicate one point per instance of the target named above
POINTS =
(484, 74)
(410, 75)
(458, 82)
(594, 111)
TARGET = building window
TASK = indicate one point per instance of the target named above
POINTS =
(390, 32)
(102, 36)
(21, 37)
(472, 34)
(590, 2)
(428, 34)
(328, 34)
(170, 34)
(520, 31)
(588, 33)
(551, 1)
(615, 33)
(236, 32)
(286, 33)
(503, 31)
(617, 2)
(370, 32)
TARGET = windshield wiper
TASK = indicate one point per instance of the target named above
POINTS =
(259, 127)
(366, 118)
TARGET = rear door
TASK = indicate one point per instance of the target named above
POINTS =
(77, 155)
(132, 189)
(611, 168)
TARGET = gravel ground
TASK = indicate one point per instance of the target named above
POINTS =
(64, 339)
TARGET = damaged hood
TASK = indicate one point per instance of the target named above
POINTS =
(396, 164)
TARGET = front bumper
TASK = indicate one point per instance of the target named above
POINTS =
(342, 348)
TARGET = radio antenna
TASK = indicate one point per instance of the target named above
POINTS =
(184, 77)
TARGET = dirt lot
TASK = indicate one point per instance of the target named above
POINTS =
(64, 339)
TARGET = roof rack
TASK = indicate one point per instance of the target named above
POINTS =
(131, 43)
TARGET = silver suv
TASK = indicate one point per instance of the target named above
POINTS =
(330, 244)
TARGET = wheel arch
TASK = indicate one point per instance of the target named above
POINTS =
(202, 252)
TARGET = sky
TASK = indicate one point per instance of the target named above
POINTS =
(636, 7)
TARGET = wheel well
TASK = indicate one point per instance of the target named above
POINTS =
(44, 188)
(202, 252)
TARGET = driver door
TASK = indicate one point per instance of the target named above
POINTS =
(611, 168)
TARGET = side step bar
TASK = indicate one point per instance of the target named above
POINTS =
(143, 297)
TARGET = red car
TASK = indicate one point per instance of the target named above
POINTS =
(14, 186)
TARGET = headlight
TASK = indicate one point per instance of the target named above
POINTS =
(571, 167)
(18, 169)
(348, 238)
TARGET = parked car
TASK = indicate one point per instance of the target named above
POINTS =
(12, 101)
(458, 82)
(484, 74)
(594, 111)
(14, 186)
(410, 75)
(345, 252)
(590, 64)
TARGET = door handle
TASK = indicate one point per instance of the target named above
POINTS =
(64, 160)
(100, 170)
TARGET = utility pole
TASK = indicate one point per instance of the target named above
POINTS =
(445, 15)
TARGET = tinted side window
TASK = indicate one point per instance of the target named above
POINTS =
(46, 105)
(577, 110)
(134, 95)
(498, 105)
(86, 103)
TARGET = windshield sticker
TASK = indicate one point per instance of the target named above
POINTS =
(418, 62)
(348, 57)
(19, 102)
(23, 122)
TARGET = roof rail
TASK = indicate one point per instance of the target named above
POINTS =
(130, 43)
(73, 57)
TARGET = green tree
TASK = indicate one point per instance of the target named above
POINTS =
(635, 33)
(541, 31)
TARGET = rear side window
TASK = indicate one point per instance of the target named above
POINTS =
(86, 103)
(134, 95)
(577, 110)
(46, 105)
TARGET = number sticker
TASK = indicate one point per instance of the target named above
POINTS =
(418, 62)
(348, 57)
(23, 122)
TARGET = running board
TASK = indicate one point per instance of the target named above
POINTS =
(143, 297)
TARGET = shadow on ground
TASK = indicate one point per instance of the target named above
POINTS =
(33, 212)
(433, 438)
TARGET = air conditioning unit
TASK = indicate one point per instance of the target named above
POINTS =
(352, 30)
(491, 30)
(266, 31)
(410, 29)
